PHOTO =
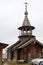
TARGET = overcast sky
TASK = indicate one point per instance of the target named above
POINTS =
(12, 16)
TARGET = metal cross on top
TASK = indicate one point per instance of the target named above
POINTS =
(26, 5)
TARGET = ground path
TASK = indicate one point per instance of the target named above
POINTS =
(5, 64)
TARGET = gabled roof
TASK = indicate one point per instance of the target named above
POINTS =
(38, 42)
(29, 42)
(22, 44)
(3, 45)
(18, 43)
(26, 43)
(14, 44)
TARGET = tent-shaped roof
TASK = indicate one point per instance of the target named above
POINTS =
(26, 22)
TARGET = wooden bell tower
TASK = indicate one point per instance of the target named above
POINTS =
(26, 28)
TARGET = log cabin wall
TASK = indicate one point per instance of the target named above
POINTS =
(29, 52)
(34, 50)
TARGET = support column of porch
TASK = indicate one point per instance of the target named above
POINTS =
(9, 55)
(0, 56)
(15, 55)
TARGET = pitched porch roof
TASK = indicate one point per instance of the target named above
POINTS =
(3, 45)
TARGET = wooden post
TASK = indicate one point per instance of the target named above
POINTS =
(0, 56)
(15, 57)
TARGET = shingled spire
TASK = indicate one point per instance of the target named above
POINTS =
(26, 21)
(26, 28)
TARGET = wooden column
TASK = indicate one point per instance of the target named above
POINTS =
(9, 54)
(15, 55)
(0, 54)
